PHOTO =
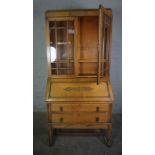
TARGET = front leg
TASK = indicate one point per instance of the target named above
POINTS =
(108, 137)
(50, 134)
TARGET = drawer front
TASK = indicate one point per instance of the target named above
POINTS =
(79, 117)
(79, 107)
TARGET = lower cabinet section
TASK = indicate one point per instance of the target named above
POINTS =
(80, 115)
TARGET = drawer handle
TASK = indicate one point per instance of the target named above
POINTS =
(97, 109)
(61, 120)
(97, 119)
(61, 109)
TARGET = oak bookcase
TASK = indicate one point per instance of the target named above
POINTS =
(79, 92)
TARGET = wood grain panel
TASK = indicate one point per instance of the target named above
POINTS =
(89, 43)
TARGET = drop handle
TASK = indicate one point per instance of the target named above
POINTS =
(97, 119)
(61, 120)
(61, 109)
(97, 109)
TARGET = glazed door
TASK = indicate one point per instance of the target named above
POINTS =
(104, 43)
(61, 46)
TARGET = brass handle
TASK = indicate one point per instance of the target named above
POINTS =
(61, 109)
(97, 119)
(97, 109)
(61, 120)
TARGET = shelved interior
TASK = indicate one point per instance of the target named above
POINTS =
(88, 31)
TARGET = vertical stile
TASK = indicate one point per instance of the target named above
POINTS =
(110, 46)
(55, 28)
(75, 47)
(107, 47)
(67, 47)
(100, 42)
(78, 45)
(103, 46)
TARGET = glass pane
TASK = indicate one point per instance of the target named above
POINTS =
(70, 34)
(61, 24)
(62, 52)
(61, 35)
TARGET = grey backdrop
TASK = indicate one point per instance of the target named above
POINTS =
(40, 62)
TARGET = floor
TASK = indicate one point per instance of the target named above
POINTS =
(74, 145)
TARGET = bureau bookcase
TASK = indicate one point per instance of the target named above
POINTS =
(79, 92)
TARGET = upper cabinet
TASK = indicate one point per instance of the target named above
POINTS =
(79, 43)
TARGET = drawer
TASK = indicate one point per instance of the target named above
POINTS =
(79, 117)
(79, 107)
